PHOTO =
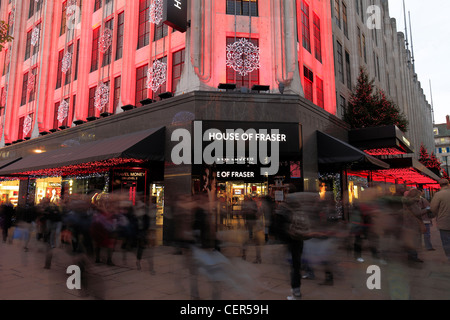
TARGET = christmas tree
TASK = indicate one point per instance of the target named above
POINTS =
(367, 108)
(424, 157)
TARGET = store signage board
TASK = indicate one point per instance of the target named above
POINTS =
(175, 14)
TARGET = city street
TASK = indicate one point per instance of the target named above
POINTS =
(23, 277)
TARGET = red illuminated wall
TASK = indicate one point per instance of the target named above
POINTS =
(282, 57)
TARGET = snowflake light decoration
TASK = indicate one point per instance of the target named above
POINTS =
(35, 36)
(105, 40)
(156, 11)
(63, 111)
(243, 56)
(101, 96)
(157, 75)
(70, 7)
(27, 125)
(31, 83)
(66, 62)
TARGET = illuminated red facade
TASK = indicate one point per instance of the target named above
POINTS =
(295, 44)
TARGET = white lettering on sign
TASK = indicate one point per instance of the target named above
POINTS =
(177, 4)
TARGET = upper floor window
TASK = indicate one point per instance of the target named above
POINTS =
(317, 39)
(120, 33)
(306, 38)
(144, 25)
(337, 12)
(308, 76)
(248, 80)
(177, 67)
(241, 7)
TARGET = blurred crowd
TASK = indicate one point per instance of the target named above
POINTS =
(393, 228)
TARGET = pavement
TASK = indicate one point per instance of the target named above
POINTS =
(23, 276)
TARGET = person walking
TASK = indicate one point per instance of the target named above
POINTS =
(440, 206)
(427, 220)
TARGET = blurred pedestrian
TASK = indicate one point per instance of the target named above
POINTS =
(253, 223)
(427, 220)
(440, 206)
(413, 225)
(292, 227)
(7, 213)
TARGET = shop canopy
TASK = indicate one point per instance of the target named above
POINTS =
(381, 141)
(409, 170)
(5, 163)
(334, 152)
(147, 145)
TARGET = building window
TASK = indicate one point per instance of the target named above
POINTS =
(308, 76)
(116, 97)
(364, 48)
(345, 19)
(33, 91)
(28, 45)
(234, 77)
(36, 47)
(163, 87)
(97, 4)
(337, 13)
(378, 68)
(91, 104)
(59, 72)
(161, 30)
(74, 104)
(340, 62)
(31, 10)
(23, 99)
(348, 70)
(63, 19)
(240, 7)
(95, 51)
(107, 56)
(319, 93)
(120, 32)
(141, 85)
(306, 38)
(76, 60)
(177, 67)
(144, 25)
(56, 123)
(20, 133)
(342, 105)
(359, 40)
(68, 76)
(317, 39)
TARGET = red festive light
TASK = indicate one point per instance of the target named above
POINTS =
(407, 174)
(82, 168)
(384, 152)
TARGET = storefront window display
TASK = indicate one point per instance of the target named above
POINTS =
(9, 191)
(48, 188)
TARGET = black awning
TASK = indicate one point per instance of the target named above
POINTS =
(145, 145)
(332, 151)
(7, 162)
(385, 137)
(409, 162)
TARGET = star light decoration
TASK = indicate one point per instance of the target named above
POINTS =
(27, 125)
(243, 56)
(156, 75)
(63, 111)
(66, 62)
(156, 11)
(35, 36)
(70, 7)
(101, 96)
(105, 40)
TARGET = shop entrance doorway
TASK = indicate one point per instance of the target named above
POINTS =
(231, 196)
